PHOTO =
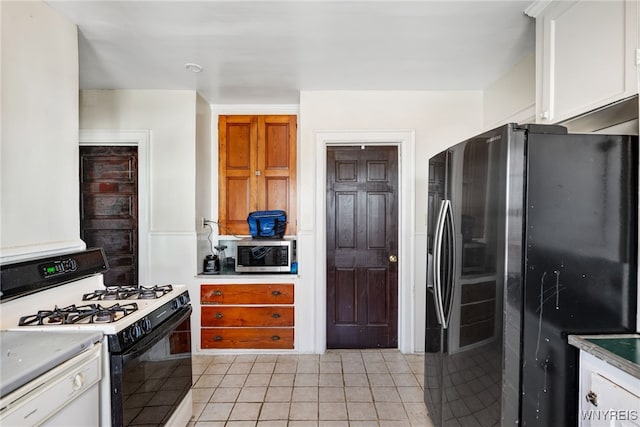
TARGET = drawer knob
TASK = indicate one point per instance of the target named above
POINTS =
(78, 381)
(276, 293)
(217, 338)
(219, 315)
(275, 338)
(592, 398)
(276, 315)
(217, 293)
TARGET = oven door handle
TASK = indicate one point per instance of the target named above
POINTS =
(152, 339)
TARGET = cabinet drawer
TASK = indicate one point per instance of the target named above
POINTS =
(267, 338)
(247, 316)
(247, 294)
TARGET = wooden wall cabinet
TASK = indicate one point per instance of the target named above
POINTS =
(257, 169)
(239, 316)
(586, 56)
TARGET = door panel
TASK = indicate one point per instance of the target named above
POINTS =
(362, 233)
(109, 208)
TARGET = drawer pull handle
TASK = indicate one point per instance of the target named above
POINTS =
(592, 398)
(276, 315)
(276, 293)
(217, 293)
(219, 315)
(217, 338)
(275, 338)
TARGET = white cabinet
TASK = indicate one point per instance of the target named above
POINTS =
(586, 55)
(608, 396)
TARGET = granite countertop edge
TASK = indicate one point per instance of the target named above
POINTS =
(582, 343)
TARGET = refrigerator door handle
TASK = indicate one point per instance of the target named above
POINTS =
(437, 259)
(449, 245)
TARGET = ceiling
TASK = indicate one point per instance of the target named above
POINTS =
(266, 52)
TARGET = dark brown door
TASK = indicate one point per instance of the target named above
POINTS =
(362, 247)
(109, 208)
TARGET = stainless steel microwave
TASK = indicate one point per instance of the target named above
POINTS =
(266, 256)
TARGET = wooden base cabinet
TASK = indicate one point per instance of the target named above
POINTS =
(255, 316)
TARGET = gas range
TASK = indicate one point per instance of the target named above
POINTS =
(66, 293)
(146, 344)
(126, 314)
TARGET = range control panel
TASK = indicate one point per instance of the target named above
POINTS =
(55, 268)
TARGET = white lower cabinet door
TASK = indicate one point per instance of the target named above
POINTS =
(608, 404)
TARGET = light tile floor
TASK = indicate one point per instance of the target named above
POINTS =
(341, 388)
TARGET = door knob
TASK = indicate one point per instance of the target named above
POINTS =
(393, 258)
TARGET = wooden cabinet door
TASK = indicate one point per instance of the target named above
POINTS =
(237, 162)
(257, 169)
(277, 166)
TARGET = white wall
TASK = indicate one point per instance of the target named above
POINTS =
(512, 98)
(438, 119)
(170, 116)
(204, 170)
(39, 146)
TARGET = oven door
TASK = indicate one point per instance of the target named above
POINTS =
(149, 380)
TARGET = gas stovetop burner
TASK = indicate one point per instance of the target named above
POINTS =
(128, 293)
(90, 313)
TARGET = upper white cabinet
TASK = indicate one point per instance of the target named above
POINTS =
(586, 55)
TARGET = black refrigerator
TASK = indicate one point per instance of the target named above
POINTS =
(532, 236)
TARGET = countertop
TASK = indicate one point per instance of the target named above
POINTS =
(261, 276)
(621, 351)
(28, 354)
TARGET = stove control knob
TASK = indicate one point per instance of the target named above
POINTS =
(146, 325)
(136, 332)
(175, 304)
(184, 299)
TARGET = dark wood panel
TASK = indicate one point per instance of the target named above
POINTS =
(377, 171)
(378, 292)
(377, 214)
(257, 338)
(345, 305)
(115, 205)
(247, 316)
(108, 167)
(346, 171)
(109, 208)
(118, 276)
(247, 294)
(114, 242)
(345, 214)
